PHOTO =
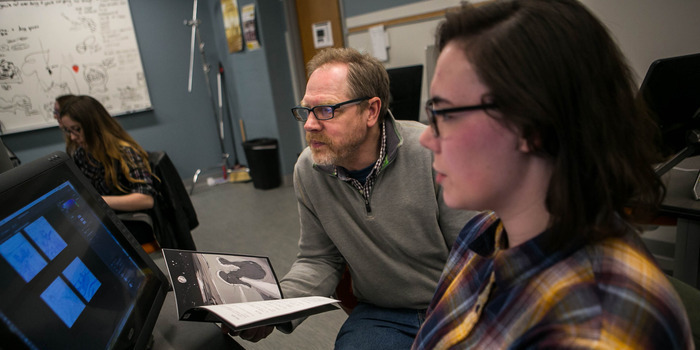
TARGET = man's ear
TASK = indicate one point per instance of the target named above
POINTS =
(375, 105)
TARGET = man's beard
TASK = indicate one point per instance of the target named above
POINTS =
(334, 152)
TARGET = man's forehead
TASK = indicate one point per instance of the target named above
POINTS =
(326, 85)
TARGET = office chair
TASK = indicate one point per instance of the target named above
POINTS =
(343, 292)
(691, 300)
(140, 224)
(174, 215)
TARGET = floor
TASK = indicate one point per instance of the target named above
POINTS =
(238, 218)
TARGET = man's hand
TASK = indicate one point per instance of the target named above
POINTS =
(252, 335)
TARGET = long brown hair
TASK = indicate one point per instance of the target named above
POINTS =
(559, 79)
(62, 100)
(104, 139)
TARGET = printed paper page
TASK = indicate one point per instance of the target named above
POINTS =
(241, 314)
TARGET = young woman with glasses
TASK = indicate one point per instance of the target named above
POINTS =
(109, 157)
(534, 121)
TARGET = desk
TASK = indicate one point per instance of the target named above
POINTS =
(680, 203)
(317, 332)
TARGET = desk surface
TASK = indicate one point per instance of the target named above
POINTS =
(317, 332)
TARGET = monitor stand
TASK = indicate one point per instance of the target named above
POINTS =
(693, 146)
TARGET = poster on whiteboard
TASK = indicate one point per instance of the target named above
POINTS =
(50, 48)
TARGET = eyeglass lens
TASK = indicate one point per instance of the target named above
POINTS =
(323, 112)
(72, 131)
(432, 119)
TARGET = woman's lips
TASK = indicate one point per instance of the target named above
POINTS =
(439, 177)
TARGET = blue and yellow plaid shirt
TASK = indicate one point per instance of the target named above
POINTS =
(607, 295)
(95, 172)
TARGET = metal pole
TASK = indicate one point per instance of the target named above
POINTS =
(194, 23)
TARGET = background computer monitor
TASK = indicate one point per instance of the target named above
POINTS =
(72, 276)
(5, 159)
(405, 84)
(671, 89)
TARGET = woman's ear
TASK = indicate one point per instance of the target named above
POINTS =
(530, 146)
(523, 145)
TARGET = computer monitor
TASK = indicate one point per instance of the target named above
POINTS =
(72, 275)
(5, 159)
(671, 89)
(405, 84)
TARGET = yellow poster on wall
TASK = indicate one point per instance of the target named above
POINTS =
(251, 35)
(232, 25)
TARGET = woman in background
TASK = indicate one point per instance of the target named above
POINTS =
(58, 102)
(114, 162)
(534, 119)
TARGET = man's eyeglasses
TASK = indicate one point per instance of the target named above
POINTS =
(434, 113)
(72, 131)
(321, 112)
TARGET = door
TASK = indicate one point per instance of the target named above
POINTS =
(315, 18)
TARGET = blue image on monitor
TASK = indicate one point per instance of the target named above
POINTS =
(82, 279)
(64, 303)
(20, 254)
(48, 240)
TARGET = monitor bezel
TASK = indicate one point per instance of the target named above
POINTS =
(405, 85)
(5, 159)
(29, 181)
(670, 91)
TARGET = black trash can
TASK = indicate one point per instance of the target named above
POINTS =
(264, 163)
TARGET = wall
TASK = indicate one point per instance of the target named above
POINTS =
(258, 82)
(359, 7)
(645, 30)
(408, 41)
(180, 123)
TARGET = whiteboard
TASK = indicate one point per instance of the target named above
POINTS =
(50, 48)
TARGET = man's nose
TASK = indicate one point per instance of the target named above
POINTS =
(312, 123)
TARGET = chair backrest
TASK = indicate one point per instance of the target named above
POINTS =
(174, 214)
(691, 300)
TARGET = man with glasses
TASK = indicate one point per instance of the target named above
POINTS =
(367, 200)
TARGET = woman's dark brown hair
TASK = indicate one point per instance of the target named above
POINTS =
(104, 138)
(560, 80)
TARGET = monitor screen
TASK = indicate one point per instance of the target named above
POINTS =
(72, 275)
(671, 89)
(405, 84)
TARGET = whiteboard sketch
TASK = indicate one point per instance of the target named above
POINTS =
(50, 48)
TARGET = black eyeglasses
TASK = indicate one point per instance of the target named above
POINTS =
(72, 131)
(434, 113)
(322, 112)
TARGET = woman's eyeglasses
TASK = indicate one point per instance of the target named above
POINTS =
(434, 113)
(72, 131)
